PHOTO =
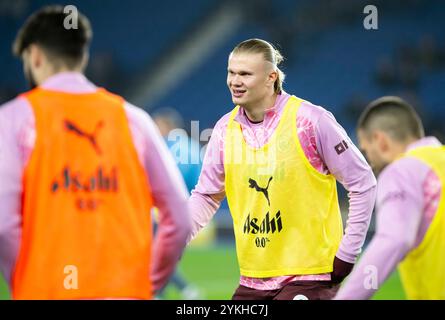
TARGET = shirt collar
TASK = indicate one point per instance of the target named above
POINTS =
(423, 142)
(276, 108)
(72, 82)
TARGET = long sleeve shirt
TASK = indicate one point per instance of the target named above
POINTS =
(321, 138)
(408, 194)
(17, 139)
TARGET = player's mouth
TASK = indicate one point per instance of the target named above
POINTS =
(238, 93)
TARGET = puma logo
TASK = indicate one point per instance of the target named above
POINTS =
(253, 184)
(70, 126)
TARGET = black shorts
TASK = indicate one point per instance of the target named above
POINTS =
(296, 290)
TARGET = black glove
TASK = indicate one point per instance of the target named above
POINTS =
(341, 270)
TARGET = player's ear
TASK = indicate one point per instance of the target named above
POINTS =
(35, 55)
(85, 59)
(273, 76)
(382, 140)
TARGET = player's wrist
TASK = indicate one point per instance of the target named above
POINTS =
(341, 269)
(347, 255)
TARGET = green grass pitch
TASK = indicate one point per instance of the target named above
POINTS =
(215, 272)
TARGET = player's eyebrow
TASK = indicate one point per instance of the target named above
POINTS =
(240, 71)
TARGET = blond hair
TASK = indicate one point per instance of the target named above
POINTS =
(270, 53)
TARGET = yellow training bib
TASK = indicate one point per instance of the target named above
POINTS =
(423, 269)
(285, 213)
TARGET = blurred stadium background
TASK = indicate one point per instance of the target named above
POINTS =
(174, 53)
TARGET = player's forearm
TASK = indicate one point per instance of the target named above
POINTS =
(397, 224)
(12, 152)
(10, 217)
(170, 240)
(9, 248)
(376, 265)
(361, 205)
(202, 208)
(170, 197)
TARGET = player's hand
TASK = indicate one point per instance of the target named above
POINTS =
(341, 270)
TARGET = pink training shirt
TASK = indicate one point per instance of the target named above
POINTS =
(320, 136)
(17, 138)
(408, 195)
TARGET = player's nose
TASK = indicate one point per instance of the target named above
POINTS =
(236, 81)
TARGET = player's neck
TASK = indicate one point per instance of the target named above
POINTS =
(401, 148)
(50, 72)
(255, 113)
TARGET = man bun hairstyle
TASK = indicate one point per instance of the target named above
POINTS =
(270, 54)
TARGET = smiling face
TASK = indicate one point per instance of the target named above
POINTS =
(250, 78)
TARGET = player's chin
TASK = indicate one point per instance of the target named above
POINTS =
(237, 100)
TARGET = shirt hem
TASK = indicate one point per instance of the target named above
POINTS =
(286, 272)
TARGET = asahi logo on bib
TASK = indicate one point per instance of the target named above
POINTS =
(86, 188)
(265, 226)
(262, 226)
